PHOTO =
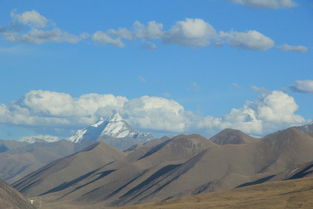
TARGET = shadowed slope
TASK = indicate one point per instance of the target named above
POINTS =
(12, 199)
(21, 158)
(274, 195)
(66, 169)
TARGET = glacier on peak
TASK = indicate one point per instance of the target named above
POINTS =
(113, 127)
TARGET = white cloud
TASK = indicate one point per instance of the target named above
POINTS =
(153, 30)
(104, 38)
(278, 107)
(248, 40)
(287, 47)
(266, 4)
(17, 32)
(156, 113)
(191, 32)
(31, 18)
(269, 112)
(305, 86)
(40, 138)
(122, 33)
(46, 108)
(37, 36)
(43, 110)
(55, 109)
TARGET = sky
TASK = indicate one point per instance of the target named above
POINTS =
(167, 67)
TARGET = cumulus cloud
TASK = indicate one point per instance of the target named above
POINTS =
(266, 4)
(191, 32)
(47, 110)
(305, 86)
(55, 109)
(32, 27)
(40, 36)
(270, 111)
(156, 113)
(153, 30)
(104, 38)
(31, 18)
(248, 40)
(287, 47)
(122, 33)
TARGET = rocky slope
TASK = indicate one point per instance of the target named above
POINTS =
(12, 199)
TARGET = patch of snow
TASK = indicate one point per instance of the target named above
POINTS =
(78, 136)
(40, 138)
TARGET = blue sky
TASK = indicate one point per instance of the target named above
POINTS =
(194, 61)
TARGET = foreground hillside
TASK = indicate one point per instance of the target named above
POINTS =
(12, 199)
(291, 194)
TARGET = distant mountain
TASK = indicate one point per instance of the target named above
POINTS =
(232, 136)
(114, 130)
(12, 199)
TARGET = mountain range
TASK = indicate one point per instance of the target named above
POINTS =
(19, 158)
(170, 168)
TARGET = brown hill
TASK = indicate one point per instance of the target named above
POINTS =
(113, 181)
(20, 158)
(275, 195)
(12, 199)
(232, 136)
(182, 165)
(60, 173)
(306, 128)
(225, 167)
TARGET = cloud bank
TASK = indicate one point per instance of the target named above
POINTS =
(42, 110)
(266, 4)
(33, 28)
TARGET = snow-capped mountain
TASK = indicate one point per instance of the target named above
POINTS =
(114, 130)
(40, 138)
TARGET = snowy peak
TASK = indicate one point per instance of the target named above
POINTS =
(113, 127)
(116, 117)
(78, 136)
